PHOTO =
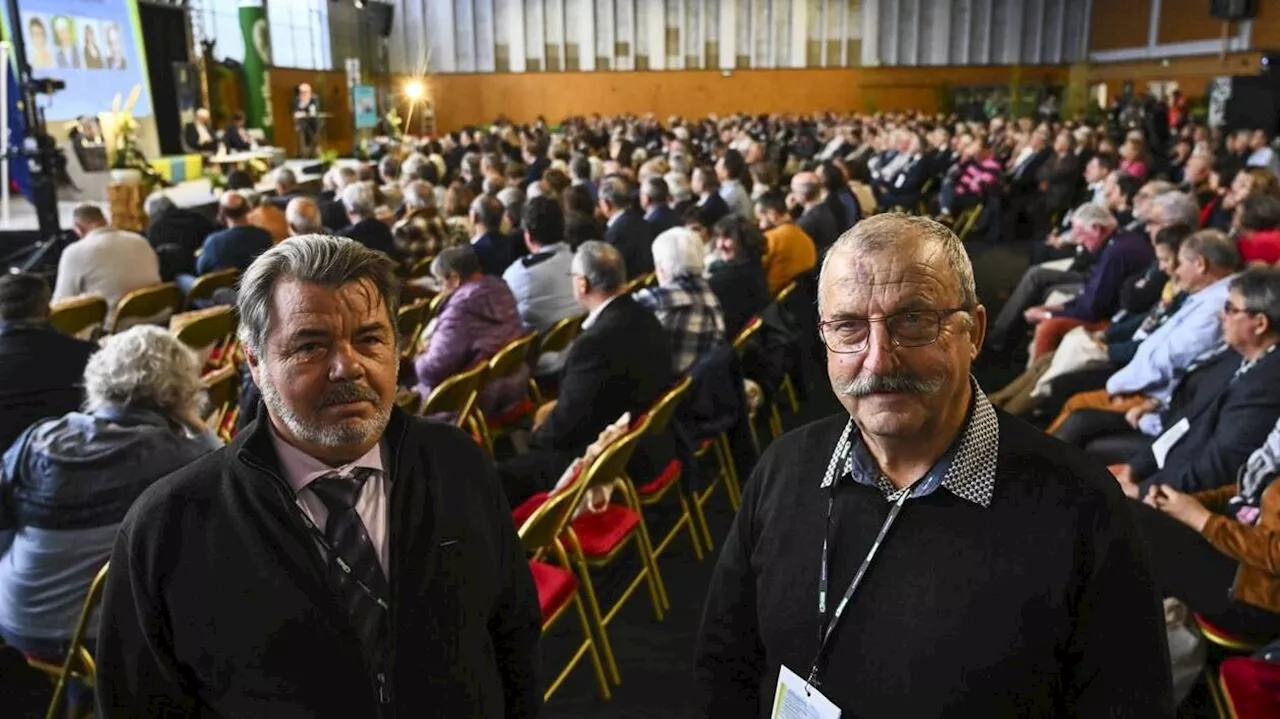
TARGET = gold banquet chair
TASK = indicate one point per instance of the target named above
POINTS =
(156, 303)
(81, 316)
(653, 490)
(79, 663)
(205, 285)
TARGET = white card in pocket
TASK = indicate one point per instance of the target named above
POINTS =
(797, 699)
(1160, 448)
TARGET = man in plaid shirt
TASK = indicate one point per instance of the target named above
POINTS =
(683, 300)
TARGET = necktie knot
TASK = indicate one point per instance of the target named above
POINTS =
(339, 492)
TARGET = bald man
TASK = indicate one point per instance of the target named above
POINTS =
(816, 219)
(237, 245)
(303, 216)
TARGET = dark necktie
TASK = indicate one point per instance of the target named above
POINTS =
(354, 570)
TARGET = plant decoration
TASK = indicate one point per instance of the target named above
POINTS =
(121, 131)
(392, 121)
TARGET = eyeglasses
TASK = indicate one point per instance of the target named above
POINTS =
(912, 328)
(1230, 309)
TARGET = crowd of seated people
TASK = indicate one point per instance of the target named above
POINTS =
(1149, 344)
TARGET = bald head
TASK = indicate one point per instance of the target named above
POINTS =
(303, 216)
(806, 188)
(233, 208)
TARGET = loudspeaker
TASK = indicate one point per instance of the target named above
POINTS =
(383, 15)
(1233, 9)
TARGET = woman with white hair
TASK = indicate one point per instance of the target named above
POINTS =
(683, 300)
(68, 481)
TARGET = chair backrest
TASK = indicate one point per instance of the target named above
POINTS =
(409, 322)
(205, 285)
(659, 415)
(543, 527)
(80, 316)
(422, 267)
(409, 401)
(785, 293)
(157, 303)
(221, 387)
(457, 394)
(748, 331)
(559, 335)
(638, 283)
(205, 330)
(507, 360)
(612, 462)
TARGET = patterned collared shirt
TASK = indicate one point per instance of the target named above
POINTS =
(967, 470)
(692, 316)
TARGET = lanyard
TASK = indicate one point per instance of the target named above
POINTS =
(333, 556)
(825, 632)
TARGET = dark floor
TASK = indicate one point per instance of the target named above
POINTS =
(656, 658)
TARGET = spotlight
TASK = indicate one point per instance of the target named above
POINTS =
(414, 90)
(359, 4)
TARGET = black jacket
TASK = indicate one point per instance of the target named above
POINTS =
(820, 225)
(662, 218)
(494, 250)
(231, 137)
(621, 363)
(1226, 425)
(743, 290)
(232, 248)
(634, 239)
(192, 137)
(41, 375)
(217, 603)
(373, 234)
(1022, 178)
(185, 229)
(332, 212)
(904, 190)
(1061, 177)
(712, 209)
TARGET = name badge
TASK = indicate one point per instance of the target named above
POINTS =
(795, 698)
(1160, 448)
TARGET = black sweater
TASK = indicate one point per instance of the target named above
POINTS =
(217, 602)
(1039, 605)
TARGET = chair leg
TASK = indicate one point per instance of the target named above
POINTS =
(593, 603)
(601, 682)
(699, 524)
(731, 484)
(694, 526)
(775, 421)
(789, 388)
(647, 556)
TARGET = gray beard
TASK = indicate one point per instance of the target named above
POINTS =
(325, 435)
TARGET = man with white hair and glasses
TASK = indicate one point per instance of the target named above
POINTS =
(332, 561)
(921, 553)
(683, 300)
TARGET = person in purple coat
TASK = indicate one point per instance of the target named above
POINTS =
(478, 318)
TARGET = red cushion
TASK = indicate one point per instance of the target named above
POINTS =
(511, 414)
(1252, 687)
(521, 514)
(555, 587)
(669, 474)
(599, 534)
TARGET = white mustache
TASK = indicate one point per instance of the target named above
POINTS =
(906, 384)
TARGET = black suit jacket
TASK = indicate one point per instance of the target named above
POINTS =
(1061, 177)
(232, 139)
(185, 229)
(662, 218)
(621, 363)
(192, 137)
(1228, 420)
(495, 252)
(634, 239)
(1023, 177)
(712, 210)
(373, 234)
(904, 190)
(819, 223)
(743, 290)
(41, 373)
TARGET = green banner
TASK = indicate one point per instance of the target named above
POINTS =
(257, 58)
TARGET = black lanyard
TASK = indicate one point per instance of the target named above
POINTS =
(332, 556)
(827, 629)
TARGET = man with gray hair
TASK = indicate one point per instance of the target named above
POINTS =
(104, 261)
(303, 216)
(330, 200)
(365, 228)
(625, 227)
(620, 363)
(816, 218)
(317, 551)
(1015, 548)
(286, 187)
(655, 200)
(683, 301)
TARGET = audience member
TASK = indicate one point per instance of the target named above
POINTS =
(235, 247)
(40, 368)
(1258, 227)
(286, 186)
(540, 279)
(327, 494)
(736, 272)
(490, 245)
(105, 261)
(175, 234)
(68, 481)
(706, 188)
(789, 251)
(330, 200)
(303, 216)
(683, 300)
(364, 227)
(626, 228)
(815, 216)
(654, 200)
(477, 319)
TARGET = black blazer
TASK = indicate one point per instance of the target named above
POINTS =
(662, 218)
(184, 228)
(1227, 422)
(41, 375)
(373, 234)
(181, 605)
(710, 212)
(820, 224)
(231, 137)
(743, 290)
(192, 137)
(1022, 178)
(1061, 178)
(634, 239)
(495, 253)
(904, 190)
(621, 363)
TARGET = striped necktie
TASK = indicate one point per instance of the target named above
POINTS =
(354, 570)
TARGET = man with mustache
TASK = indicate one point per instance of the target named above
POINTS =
(922, 553)
(339, 558)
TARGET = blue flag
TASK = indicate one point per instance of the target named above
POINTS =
(19, 168)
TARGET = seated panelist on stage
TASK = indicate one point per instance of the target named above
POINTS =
(199, 135)
(235, 137)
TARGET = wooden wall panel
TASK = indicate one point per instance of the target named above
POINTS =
(1192, 74)
(1266, 26)
(479, 98)
(331, 88)
(1187, 21)
(1120, 24)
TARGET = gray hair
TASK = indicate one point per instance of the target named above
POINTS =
(886, 231)
(678, 252)
(157, 204)
(1260, 288)
(1215, 247)
(320, 259)
(1176, 208)
(461, 261)
(411, 166)
(1093, 214)
(655, 188)
(602, 264)
(357, 199)
(303, 216)
(511, 197)
(678, 183)
(285, 178)
(419, 195)
(144, 366)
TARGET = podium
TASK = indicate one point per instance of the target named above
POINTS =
(311, 131)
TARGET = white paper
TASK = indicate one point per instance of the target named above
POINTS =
(1160, 448)
(796, 699)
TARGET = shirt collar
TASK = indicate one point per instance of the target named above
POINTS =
(593, 314)
(615, 218)
(967, 469)
(301, 469)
